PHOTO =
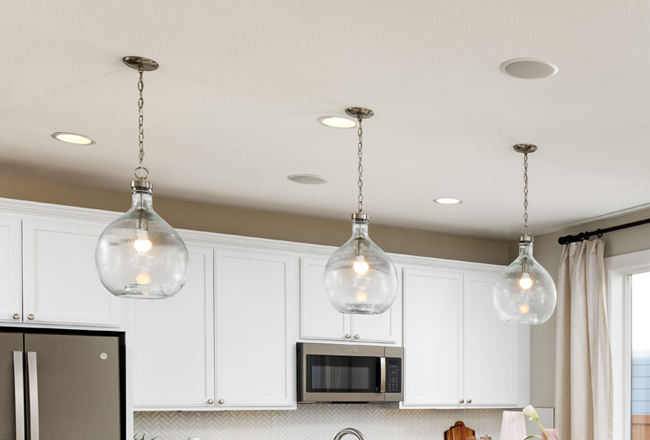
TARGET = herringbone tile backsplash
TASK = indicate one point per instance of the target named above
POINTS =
(322, 422)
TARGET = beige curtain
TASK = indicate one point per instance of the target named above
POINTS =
(583, 384)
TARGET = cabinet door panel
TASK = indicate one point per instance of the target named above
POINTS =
(174, 341)
(375, 328)
(61, 284)
(11, 285)
(491, 347)
(433, 309)
(385, 328)
(255, 346)
(319, 320)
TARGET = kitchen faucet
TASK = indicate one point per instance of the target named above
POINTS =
(354, 432)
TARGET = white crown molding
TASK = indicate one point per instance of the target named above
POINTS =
(26, 208)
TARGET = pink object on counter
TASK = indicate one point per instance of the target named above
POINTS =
(513, 426)
(552, 434)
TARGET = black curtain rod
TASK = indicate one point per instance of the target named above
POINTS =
(599, 232)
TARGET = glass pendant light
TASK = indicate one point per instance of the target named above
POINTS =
(139, 255)
(359, 277)
(525, 293)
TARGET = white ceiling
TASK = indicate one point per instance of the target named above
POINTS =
(232, 110)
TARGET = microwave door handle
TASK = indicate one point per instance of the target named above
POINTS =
(382, 366)
(19, 393)
(33, 395)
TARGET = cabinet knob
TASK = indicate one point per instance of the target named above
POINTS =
(462, 400)
(469, 401)
(348, 336)
(356, 336)
(221, 401)
(210, 401)
(16, 316)
(30, 317)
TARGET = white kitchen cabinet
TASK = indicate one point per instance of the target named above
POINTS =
(256, 362)
(173, 342)
(320, 321)
(492, 352)
(458, 353)
(60, 280)
(11, 294)
(433, 335)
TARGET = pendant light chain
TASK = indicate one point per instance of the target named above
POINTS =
(360, 133)
(141, 173)
(525, 230)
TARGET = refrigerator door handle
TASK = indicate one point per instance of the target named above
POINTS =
(32, 375)
(19, 393)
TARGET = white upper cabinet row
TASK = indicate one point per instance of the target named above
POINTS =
(227, 340)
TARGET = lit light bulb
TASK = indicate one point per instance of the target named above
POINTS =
(361, 296)
(143, 278)
(523, 309)
(525, 282)
(142, 244)
(361, 265)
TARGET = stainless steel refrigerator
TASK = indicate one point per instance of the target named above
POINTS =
(57, 386)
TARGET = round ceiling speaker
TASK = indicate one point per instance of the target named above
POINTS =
(528, 68)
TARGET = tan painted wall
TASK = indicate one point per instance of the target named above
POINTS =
(547, 252)
(201, 217)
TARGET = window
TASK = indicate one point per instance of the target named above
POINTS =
(640, 405)
(629, 322)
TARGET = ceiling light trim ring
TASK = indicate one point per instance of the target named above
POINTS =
(68, 133)
(447, 201)
(323, 121)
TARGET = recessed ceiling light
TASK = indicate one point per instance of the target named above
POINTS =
(72, 138)
(528, 68)
(307, 179)
(337, 122)
(447, 201)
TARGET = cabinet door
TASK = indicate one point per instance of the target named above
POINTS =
(11, 285)
(61, 284)
(491, 347)
(173, 342)
(318, 319)
(255, 340)
(433, 335)
(385, 328)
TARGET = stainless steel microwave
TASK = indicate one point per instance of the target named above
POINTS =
(349, 373)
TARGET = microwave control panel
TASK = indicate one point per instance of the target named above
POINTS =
(393, 375)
